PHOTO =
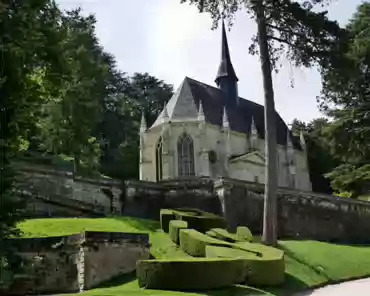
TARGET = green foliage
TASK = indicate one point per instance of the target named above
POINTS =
(265, 270)
(194, 242)
(345, 98)
(174, 231)
(165, 217)
(320, 159)
(223, 234)
(199, 274)
(244, 233)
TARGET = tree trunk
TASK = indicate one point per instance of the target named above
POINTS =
(269, 236)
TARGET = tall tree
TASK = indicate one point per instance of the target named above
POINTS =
(29, 44)
(346, 99)
(89, 79)
(319, 158)
(141, 93)
(284, 28)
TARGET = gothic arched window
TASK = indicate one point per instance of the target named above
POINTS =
(185, 154)
(158, 160)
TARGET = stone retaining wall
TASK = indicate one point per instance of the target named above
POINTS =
(75, 263)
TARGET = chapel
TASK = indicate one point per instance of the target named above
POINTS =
(207, 131)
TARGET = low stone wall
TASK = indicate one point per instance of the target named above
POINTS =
(301, 215)
(145, 199)
(51, 193)
(75, 263)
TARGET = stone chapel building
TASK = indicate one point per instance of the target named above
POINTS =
(211, 131)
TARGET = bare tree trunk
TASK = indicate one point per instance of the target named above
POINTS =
(269, 235)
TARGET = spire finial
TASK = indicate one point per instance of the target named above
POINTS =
(253, 128)
(289, 140)
(143, 125)
(225, 120)
(165, 114)
(200, 112)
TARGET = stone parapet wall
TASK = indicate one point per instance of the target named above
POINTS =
(146, 199)
(75, 263)
(302, 215)
(58, 193)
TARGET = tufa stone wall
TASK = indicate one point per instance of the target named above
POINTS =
(75, 263)
(301, 215)
(53, 193)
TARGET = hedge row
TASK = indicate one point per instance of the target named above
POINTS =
(266, 269)
(196, 274)
(196, 219)
(175, 226)
(194, 242)
(224, 235)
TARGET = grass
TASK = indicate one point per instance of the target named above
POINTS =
(308, 263)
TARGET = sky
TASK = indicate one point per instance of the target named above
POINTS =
(170, 41)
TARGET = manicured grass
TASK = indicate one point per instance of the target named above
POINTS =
(308, 263)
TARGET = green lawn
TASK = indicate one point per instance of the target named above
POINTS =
(308, 263)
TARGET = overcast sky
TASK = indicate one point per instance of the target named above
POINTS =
(171, 40)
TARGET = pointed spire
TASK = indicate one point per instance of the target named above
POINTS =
(143, 125)
(200, 112)
(225, 120)
(225, 68)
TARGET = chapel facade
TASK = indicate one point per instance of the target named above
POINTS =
(212, 132)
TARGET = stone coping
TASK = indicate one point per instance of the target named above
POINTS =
(70, 175)
(75, 241)
(291, 192)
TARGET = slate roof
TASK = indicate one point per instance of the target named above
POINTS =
(184, 105)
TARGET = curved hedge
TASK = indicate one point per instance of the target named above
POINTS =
(244, 233)
(165, 217)
(265, 265)
(194, 242)
(224, 235)
(196, 219)
(175, 226)
(196, 274)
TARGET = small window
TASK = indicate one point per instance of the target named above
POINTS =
(256, 180)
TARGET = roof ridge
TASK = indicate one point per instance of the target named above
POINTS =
(216, 88)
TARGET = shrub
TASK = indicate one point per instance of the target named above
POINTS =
(175, 226)
(244, 233)
(165, 217)
(266, 269)
(194, 242)
(224, 235)
(196, 274)
(203, 222)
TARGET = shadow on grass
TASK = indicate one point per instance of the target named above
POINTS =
(118, 280)
(290, 286)
(140, 224)
(294, 257)
(237, 290)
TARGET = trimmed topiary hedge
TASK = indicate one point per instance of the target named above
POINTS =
(201, 223)
(244, 233)
(194, 242)
(196, 274)
(265, 269)
(165, 217)
(196, 219)
(175, 226)
(224, 235)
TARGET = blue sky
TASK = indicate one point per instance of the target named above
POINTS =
(171, 40)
